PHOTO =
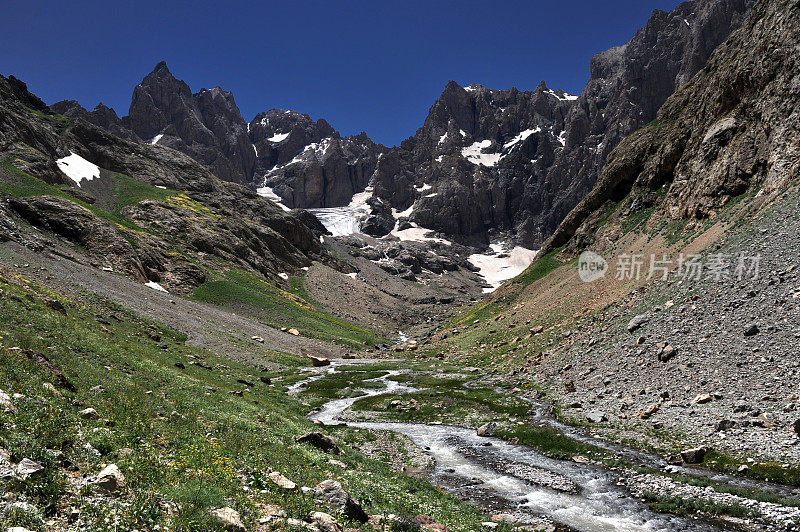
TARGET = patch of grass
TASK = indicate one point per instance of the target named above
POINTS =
(681, 506)
(768, 471)
(130, 191)
(273, 306)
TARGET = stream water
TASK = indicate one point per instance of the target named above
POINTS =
(514, 478)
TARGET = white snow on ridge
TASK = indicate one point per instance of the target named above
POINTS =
(155, 139)
(503, 265)
(475, 155)
(77, 168)
(268, 193)
(565, 98)
(522, 136)
(423, 188)
(442, 139)
(278, 137)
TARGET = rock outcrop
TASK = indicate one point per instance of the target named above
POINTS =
(519, 161)
(731, 129)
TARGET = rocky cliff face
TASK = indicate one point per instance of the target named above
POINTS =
(519, 161)
(732, 129)
(307, 163)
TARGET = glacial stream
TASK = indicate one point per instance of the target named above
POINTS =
(514, 479)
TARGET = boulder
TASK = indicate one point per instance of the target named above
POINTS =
(282, 481)
(325, 522)
(110, 480)
(596, 417)
(320, 441)
(751, 330)
(89, 413)
(331, 494)
(637, 322)
(694, 455)
(318, 362)
(487, 429)
(6, 403)
(29, 469)
(228, 519)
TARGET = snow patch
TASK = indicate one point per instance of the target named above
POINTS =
(474, 153)
(284, 276)
(442, 139)
(155, 139)
(521, 136)
(77, 168)
(353, 275)
(155, 286)
(418, 234)
(278, 137)
(564, 98)
(343, 221)
(423, 188)
(162, 187)
(502, 265)
(267, 192)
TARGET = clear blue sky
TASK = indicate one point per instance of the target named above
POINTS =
(363, 65)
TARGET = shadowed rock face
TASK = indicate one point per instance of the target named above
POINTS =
(309, 164)
(732, 129)
(207, 126)
(519, 161)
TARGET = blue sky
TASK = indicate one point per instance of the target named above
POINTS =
(372, 66)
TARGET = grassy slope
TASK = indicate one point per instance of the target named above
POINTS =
(234, 289)
(194, 444)
(244, 293)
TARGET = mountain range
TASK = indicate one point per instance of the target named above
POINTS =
(485, 163)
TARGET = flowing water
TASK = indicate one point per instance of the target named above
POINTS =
(518, 479)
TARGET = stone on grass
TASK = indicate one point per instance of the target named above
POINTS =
(320, 441)
(6, 403)
(110, 480)
(29, 469)
(325, 522)
(228, 519)
(282, 481)
(331, 494)
(89, 413)
(694, 455)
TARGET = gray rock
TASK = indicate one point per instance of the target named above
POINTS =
(110, 481)
(228, 519)
(29, 469)
(487, 429)
(637, 322)
(596, 417)
(331, 494)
